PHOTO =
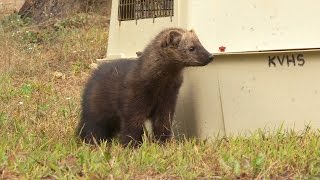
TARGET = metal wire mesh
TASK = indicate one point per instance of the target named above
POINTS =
(142, 9)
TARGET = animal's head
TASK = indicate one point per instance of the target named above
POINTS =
(185, 47)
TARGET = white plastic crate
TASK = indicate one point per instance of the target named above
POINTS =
(268, 74)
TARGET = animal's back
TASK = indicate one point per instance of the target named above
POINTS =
(101, 100)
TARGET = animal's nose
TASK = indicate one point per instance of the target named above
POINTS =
(211, 57)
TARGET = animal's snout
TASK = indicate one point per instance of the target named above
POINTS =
(211, 57)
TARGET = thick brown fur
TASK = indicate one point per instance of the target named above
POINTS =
(121, 95)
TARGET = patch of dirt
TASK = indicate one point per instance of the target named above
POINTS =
(42, 10)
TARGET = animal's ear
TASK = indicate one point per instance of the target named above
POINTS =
(173, 39)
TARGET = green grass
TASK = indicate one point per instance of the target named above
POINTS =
(39, 113)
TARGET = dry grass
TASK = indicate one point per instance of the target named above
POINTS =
(32, 55)
(39, 112)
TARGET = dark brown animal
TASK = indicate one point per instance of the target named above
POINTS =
(121, 95)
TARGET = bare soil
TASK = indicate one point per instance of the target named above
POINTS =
(43, 10)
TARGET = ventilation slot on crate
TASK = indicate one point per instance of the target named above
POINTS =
(143, 9)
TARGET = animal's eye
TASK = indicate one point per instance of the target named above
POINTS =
(191, 49)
